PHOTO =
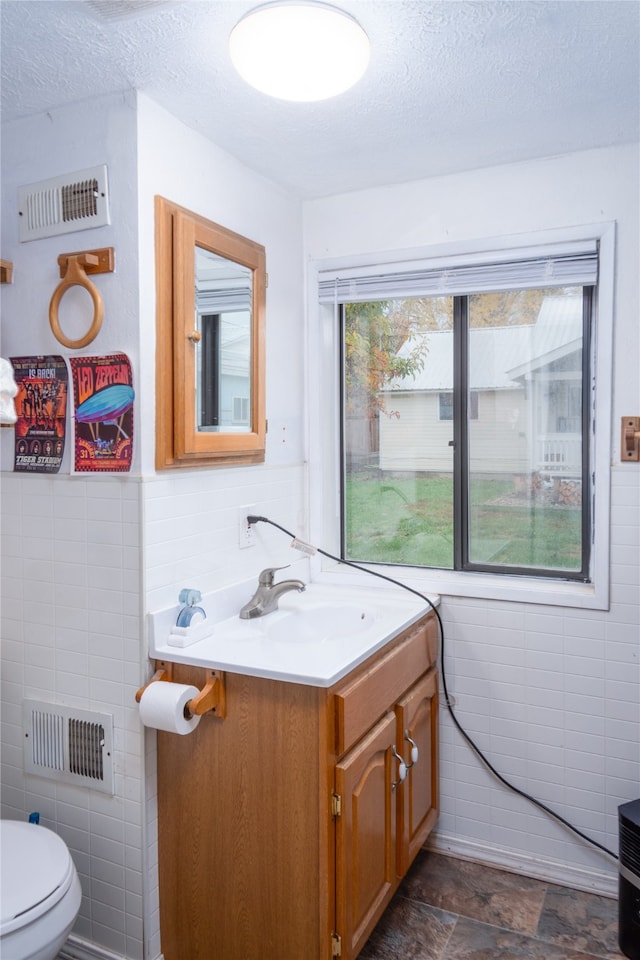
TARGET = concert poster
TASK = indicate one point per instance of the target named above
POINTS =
(41, 409)
(103, 398)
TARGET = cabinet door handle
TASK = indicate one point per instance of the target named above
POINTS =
(402, 769)
(414, 750)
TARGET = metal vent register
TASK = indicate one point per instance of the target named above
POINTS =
(64, 204)
(114, 10)
(68, 745)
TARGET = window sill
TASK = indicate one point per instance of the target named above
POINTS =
(538, 590)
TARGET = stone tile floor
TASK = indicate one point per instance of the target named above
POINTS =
(449, 909)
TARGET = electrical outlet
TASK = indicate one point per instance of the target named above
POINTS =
(246, 531)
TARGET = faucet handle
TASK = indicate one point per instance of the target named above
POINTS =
(266, 577)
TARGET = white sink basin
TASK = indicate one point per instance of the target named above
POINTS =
(314, 637)
(318, 623)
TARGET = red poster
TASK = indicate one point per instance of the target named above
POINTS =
(41, 408)
(103, 398)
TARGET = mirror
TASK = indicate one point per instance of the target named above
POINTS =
(210, 359)
(222, 343)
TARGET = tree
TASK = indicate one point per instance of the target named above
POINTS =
(374, 334)
(510, 308)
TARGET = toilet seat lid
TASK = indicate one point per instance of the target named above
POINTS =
(37, 870)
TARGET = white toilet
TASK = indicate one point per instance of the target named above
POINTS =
(40, 892)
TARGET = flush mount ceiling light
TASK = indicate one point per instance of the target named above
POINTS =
(301, 51)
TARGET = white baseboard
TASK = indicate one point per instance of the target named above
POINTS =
(78, 949)
(605, 884)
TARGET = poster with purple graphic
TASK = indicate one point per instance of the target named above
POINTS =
(103, 398)
(41, 409)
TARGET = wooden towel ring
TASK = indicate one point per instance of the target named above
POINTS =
(75, 275)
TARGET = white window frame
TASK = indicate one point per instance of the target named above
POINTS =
(323, 395)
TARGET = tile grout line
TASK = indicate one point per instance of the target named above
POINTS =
(510, 930)
(443, 953)
(607, 955)
(540, 915)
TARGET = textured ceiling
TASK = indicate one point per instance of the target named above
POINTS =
(451, 85)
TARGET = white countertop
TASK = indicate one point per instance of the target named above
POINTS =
(291, 643)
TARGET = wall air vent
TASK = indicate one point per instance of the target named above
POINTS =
(115, 10)
(68, 745)
(76, 201)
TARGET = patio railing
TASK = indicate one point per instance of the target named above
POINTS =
(559, 455)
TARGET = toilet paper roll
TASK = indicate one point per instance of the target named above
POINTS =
(162, 706)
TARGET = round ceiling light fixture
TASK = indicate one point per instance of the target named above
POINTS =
(300, 51)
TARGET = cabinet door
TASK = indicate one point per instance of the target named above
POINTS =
(417, 810)
(365, 835)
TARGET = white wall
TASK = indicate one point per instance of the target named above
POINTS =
(71, 597)
(552, 694)
(84, 558)
(60, 142)
(191, 525)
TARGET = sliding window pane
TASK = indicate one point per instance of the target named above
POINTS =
(525, 465)
(397, 431)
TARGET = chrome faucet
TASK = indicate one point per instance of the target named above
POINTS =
(265, 599)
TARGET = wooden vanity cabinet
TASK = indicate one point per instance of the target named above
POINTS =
(366, 836)
(284, 828)
(417, 722)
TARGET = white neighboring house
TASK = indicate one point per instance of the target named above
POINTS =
(526, 400)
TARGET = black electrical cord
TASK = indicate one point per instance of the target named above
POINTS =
(251, 519)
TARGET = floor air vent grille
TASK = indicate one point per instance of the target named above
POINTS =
(68, 745)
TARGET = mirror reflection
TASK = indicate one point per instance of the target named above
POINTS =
(223, 297)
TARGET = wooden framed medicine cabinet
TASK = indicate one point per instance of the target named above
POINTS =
(210, 320)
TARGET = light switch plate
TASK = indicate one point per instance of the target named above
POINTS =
(630, 439)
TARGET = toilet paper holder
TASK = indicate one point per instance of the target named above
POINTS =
(211, 698)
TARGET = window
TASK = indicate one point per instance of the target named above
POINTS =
(467, 415)
(445, 405)
(241, 409)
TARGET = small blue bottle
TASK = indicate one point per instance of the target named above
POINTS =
(190, 614)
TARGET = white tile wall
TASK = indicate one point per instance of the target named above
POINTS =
(75, 553)
(71, 633)
(191, 527)
(191, 540)
(550, 694)
(553, 698)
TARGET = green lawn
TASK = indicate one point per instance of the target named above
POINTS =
(410, 521)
